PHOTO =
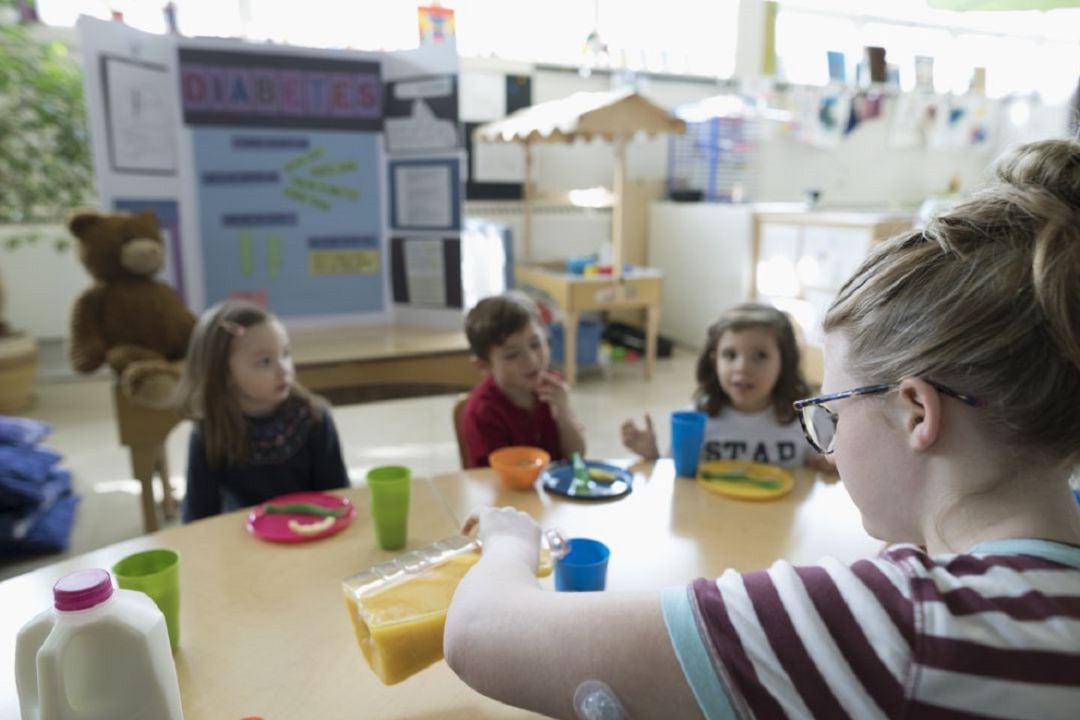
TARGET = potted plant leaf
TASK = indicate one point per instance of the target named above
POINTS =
(45, 167)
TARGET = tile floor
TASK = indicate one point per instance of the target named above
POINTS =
(417, 432)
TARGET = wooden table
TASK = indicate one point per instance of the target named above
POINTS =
(264, 630)
(575, 294)
(325, 358)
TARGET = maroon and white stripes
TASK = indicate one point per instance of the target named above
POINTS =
(902, 635)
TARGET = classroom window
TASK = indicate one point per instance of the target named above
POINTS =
(958, 41)
(679, 36)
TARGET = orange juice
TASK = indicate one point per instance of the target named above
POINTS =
(398, 609)
(400, 627)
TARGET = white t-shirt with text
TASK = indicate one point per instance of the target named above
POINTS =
(734, 435)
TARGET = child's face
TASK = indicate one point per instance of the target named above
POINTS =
(748, 366)
(261, 367)
(518, 363)
(869, 452)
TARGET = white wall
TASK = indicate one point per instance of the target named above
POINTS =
(41, 283)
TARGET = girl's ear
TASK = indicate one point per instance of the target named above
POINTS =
(920, 404)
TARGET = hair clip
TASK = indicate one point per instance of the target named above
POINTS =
(233, 328)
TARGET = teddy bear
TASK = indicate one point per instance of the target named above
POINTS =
(136, 324)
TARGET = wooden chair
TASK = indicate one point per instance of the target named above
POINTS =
(459, 416)
(144, 431)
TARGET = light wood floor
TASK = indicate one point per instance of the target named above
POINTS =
(415, 432)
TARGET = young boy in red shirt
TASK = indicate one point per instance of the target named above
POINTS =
(520, 401)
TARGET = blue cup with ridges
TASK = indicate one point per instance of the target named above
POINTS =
(687, 436)
(583, 568)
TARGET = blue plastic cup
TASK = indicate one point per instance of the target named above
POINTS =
(687, 435)
(583, 568)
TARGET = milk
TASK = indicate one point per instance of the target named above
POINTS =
(98, 654)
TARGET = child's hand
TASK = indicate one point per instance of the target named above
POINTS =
(506, 529)
(555, 393)
(640, 440)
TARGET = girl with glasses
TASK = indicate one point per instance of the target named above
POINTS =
(952, 385)
(747, 378)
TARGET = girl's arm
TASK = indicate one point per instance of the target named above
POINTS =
(556, 394)
(203, 496)
(327, 467)
(640, 441)
(513, 641)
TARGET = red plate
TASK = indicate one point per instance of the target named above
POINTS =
(275, 527)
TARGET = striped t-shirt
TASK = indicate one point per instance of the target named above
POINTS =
(993, 633)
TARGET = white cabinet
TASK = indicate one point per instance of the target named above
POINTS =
(714, 256)
(802, 257)
(703, 250)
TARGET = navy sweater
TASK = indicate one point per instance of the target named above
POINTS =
(291, 451)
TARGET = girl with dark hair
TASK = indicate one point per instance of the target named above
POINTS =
(258, 433)
(747, 377)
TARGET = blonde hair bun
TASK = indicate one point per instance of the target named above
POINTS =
(985, 300)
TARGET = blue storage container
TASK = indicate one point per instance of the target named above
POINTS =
(588, 342)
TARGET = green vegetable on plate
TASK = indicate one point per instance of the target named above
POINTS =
(303, 509)
(740, 478)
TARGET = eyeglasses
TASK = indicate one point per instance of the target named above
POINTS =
(819, 422)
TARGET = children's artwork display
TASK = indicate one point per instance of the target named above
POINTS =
(285, 166)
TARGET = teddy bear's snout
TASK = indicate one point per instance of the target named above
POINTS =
(142, 256)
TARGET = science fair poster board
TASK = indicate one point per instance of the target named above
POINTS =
(274, 162)
(286, 165)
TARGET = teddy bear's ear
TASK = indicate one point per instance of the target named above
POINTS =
(81, 222)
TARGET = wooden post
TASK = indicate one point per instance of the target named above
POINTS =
(617, 208)
(526, 210)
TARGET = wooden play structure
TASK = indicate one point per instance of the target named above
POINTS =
(615, 116)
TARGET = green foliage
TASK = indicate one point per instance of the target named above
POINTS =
(45, 167)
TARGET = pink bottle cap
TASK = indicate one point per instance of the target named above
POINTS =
(83, 589)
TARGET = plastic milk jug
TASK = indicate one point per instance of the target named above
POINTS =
(98, 654)
(398, 608)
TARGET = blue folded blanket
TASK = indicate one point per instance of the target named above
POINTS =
(27, 463)
(21, 431)
(19, 494)
(45, 529)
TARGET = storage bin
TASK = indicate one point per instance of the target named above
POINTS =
(588, 342)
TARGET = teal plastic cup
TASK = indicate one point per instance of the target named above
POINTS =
(156, 573)
(389, 488)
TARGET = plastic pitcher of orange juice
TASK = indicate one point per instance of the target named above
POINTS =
(398, 608)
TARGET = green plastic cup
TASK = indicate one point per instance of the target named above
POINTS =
(156, 573)
(389, 486)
